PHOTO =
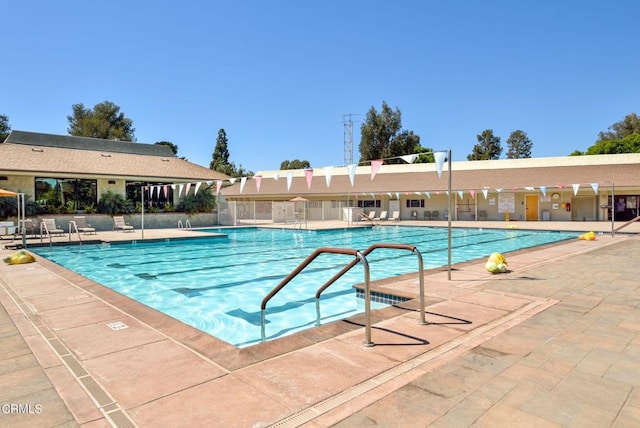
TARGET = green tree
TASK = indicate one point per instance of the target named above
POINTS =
(621, 137)
(488, 147)
(5, 128)
(220, 158)
(103, 121)
(628, 144)
(405, 143)
(382, 137)
(627, 126)
(172, 146)
(425, 155)
(295, 164)
(519, 145)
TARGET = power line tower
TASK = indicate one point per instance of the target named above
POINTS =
(347, 123)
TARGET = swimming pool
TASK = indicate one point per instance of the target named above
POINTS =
(217, 284)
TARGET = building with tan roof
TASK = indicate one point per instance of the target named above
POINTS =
(54, 169)
(578, 188)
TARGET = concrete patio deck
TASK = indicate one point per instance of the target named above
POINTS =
(555, 342)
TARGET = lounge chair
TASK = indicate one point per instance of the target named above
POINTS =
(119, 224)
(383, 216)
(482, 215)
(426, 215)
(395, 216)
(435, 215)
(48, 227)
(82, 226)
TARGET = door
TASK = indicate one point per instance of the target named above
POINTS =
(531, 204)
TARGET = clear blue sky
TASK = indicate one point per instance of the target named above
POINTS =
(278, 75)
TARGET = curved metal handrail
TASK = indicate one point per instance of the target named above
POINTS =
(368, 251)
(324, 250)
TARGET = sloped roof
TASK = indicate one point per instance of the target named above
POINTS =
(84, 143)
(622, 170)
(38, 154)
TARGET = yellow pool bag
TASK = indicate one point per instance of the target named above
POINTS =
(21, 257)
(589, 236)
(496, 263)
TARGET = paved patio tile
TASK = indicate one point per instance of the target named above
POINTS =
(225, 402)
(144, 373)
(90, 341)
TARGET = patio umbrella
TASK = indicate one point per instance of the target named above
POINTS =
(7, 193)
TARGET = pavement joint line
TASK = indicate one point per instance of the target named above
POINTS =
(55, 348)
(463, 344)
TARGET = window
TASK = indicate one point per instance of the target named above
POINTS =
(162, 193)
(369, 203)
(72, 194)
(415, 203)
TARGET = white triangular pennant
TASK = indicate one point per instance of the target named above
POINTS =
(328, 170)
(352, 173)
(289, 180)
(543, 189)
(409, 158)
(594, 186)
(440, 158)
(485, 192)
(198, 184)
(461, 194)
(575, 189)
(243, 181)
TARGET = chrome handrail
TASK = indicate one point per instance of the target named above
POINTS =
(368, 251)
(305, 263)
(74, 226)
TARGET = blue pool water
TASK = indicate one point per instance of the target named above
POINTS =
(217, 284)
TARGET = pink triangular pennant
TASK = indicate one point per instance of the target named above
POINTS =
(187, 189)
(218, 186)
(473, 194)
(308, 173)
(258, 179)
(375, 166)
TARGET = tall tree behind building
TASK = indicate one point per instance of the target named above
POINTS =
(382, 136)
(5, 128)
(220, 158)
(519, 145)
(621, 137)
(488, 147)
(104, 121)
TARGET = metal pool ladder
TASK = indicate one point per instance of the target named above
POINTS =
(359, 257)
